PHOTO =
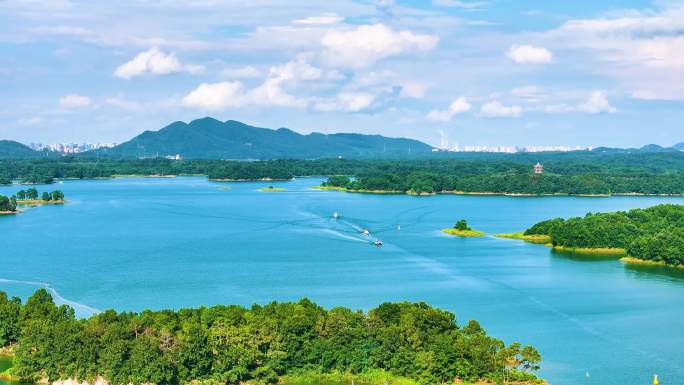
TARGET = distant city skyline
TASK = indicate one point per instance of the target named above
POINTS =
(490, 73)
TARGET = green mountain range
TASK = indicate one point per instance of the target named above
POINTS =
(208, 138)
(12, 149)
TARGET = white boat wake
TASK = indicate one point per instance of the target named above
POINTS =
(79, 308)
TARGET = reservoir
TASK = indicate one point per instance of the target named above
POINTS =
(132, 244)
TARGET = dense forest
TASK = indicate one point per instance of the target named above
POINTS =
(234, 344)
(654, 234)
(564, 173)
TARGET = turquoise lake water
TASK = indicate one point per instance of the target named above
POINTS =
(131, 244)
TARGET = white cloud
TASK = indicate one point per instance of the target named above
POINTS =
(527, 54)
(458, 106)
(323, 19)
(459, 4)
(240, 73)
(347, 101)
(597, 103)
(644, 51)
(74, 101)
(272, 92)
(495, 109)
(366, 44)
(155, 62)
(215, 96)
(32, 121)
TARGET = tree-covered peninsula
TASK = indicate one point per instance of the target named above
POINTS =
(654, 234)
(411, 343)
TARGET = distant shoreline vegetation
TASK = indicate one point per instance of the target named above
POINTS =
(654, 235)
(574, 174)
(392, 344)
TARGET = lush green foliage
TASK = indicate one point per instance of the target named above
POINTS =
(462, 225)
(8, 203)
(574, 173)
(655, 233)
(232, 344)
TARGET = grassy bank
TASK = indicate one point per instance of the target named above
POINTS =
(464, 233)
(249, 180)
(344, 189)
(534, 238)
(596, 251)
(6, 356)
(272, 189)
(38, 202)
(639, 261)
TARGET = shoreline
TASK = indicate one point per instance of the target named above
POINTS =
(344, 189)
(249, 180)
(492, 193)
(639, 261)
(464, 233)
(39, 202)
(592, 251)
(533, 238)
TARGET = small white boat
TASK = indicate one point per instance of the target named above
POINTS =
(377, 243)
(335, 215)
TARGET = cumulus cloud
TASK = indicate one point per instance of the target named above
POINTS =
(215, 96)
(366, 44)
(458, 106)
(74, 101)
(155, 62)
(527, 54)
(597, 103)
(323, 19)
(272, 92)
(495, 109)
(240, 72)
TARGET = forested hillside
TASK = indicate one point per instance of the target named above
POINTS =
(234, 344)
(208, 138)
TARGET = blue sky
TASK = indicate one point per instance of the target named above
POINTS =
(488, 72)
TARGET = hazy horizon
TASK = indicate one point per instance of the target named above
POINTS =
(504, 73)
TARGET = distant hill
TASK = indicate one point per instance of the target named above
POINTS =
(679, 146)
(649, 148)
(12, 149)
(208, 138)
